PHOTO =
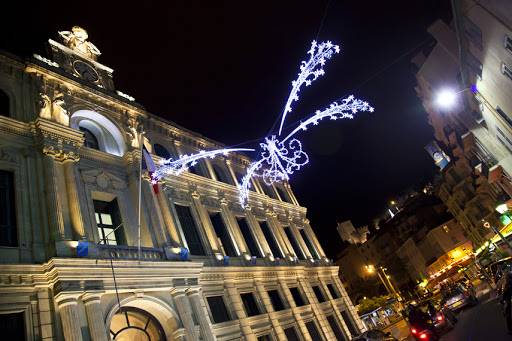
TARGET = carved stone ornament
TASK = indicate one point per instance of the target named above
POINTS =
(103, 180)
(61, 143)
(76, 40)
(8, 154)
(134, 128)
(53, 107)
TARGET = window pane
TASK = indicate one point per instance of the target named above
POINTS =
(269, 236)
(291, 334)
(189, 228)
(97, 216)
(8, 230)
(161, 151)
(313, 330)
(90, 139)
(223, 234)
(218, 309)
(333, 291)
(282, 194)
(106, 219)
(275, 298)
(310, 246)
(340, 336)
(221, 174)
(319, 294)
(12, 326)
(4, 104)
(265, 337)
(297, 297)
(249, 237)
(350, 324)
(295, 246)
(251, 308)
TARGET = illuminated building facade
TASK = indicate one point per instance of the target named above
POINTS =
(70, 152)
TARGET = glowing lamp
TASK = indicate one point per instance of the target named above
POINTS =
(446, 98)
(502, 209)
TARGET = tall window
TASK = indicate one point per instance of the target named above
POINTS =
(275, 299)
(108, 221)
(90, 139)
(221, 174)
(223, 234)
(295, 245)
(5, 104)
(291, 334)
(310, 246)
(297, 296)
(340, 336)
(161, 151)
(12, 326)
(135, 324)
(265, 337)
(249, 237)
(269, 190)
(189, 228)
(271, 239)
(333, 291)
(8, 230)
(506, 70)
(313, 330)
(284, 196)
(250, 306)
(199, 169)
(508, 43)
(218, 309)
(350, 323)
(319, 293)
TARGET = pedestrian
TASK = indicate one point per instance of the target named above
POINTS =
(506, 300)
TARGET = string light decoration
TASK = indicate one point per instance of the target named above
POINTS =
(281, 157)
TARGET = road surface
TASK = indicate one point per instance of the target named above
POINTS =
(484, 322)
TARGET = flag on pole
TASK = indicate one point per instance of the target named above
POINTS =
(149, 164)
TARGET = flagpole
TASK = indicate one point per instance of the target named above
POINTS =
(139, 202)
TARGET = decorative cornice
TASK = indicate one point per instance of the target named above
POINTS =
(60, 142)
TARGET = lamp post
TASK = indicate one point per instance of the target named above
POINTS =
(385, 279)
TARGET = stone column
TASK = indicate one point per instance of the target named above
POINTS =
(270, 309)
(196, 301)
(290, 193)
(317, 310)
(185, 313)
(236, 302)
(278, 231)
(75, 210)
(351, 310)
(300, 241)
(255, 226)
(232, 172)
(295, 310)
(167, 217)
(68, 311)
(95, 319)
(233, 228)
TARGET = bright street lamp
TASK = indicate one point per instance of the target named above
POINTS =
(446, 98)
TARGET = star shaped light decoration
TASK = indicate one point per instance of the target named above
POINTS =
(280, 156)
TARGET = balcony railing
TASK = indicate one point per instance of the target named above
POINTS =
(129, 252)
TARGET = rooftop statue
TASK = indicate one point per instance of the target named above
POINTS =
(76, 39)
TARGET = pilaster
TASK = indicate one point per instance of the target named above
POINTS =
(278, 330)
(196, 301)
(206, 223)
(319, 314)
(236, 302)
(295, 310)
(70, 319)
(313, 239)
(185, 313)
(95, 319)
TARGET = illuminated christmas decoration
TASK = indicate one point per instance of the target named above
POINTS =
(184, 162)
(281, 157)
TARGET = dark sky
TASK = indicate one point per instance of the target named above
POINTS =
(223, 69)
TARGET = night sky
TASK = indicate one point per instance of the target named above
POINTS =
(224, 69)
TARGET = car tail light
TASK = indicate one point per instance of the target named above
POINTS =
(414, 331)
(423, 336)
(440, 317)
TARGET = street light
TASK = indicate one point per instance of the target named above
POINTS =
(447, 97)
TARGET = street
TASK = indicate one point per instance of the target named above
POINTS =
(482, 322)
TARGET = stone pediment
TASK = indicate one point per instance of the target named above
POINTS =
(103, 179)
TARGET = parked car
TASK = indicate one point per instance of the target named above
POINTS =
(374, 335)
(458, 296)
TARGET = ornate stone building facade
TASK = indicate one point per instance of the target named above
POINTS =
(69, 182)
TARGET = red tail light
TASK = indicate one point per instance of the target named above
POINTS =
(423, 336)
(414, 331)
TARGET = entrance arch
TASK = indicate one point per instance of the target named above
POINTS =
(142, 319)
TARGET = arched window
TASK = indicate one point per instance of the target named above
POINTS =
(99, 131)
(5, 104)
(135, 324)
(90, 140)
(161, 151)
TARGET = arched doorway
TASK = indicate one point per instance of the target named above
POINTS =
(133, 324)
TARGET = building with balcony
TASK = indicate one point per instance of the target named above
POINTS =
(477, 177)
(70, 154)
